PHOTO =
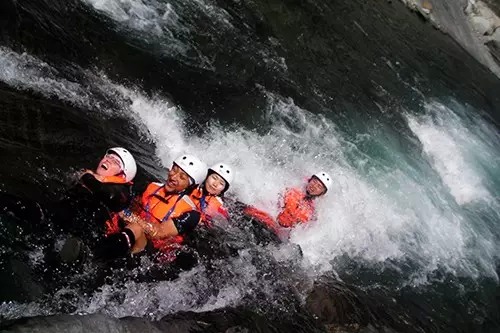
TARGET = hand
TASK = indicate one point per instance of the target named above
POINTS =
(84, 171)
(129, 218)
(79, 174)
(148, 227)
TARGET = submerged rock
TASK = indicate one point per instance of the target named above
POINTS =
(332, 303)
(224, 320)
(73, 323)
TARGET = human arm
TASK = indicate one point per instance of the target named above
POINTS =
(182, 224)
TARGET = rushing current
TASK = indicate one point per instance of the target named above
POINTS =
(404, 120)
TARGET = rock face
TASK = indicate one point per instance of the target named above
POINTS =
(473, 24)
(223, 320)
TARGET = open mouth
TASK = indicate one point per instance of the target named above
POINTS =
(104, 166)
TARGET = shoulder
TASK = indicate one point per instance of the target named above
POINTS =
(147, 189)
(153, 186)
(196, 193)
(216, 200)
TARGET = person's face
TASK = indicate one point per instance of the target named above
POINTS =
(315, 187)
(215, 184)
(177, 180)
(110, 165)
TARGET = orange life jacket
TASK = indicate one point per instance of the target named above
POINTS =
(111, 179)
(115, 180)
(209, 206)
(158, 206)
(297, 208)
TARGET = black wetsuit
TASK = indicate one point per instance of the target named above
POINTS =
(82, 211)
(86, 207)
(26, 225)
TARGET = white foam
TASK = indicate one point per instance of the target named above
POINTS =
(158, 17)
(447, 145)
(25, 72)
(15, 310)
(149, 16)
(192, 291)
(379, 210)
(159, 119)
(158, 116)
(166, 25)
(377, 221)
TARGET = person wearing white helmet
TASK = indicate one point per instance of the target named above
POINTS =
(117, 162)
(318, 184)
(111, 181)
(84, 208)
(298, 203)
(161, 215)
(98, 196)
(208, 197)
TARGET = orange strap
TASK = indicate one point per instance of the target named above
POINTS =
(110, 179)
(114, 180)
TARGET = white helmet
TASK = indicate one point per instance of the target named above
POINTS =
(193, 166)
(325, 179)
(129, 167)
(225, 171)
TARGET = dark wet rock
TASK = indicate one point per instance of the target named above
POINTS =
(333, 304)
(92, 323)
(18, 283)
(465, 21)
(342, 307)
(71, 250)
(494, 47)
(224, 320)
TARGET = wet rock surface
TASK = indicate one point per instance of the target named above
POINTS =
(473, 24)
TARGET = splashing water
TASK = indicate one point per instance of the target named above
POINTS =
(395, 204)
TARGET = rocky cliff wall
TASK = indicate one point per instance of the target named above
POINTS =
(475, 25)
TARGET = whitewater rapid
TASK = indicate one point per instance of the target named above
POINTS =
(423, 194)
